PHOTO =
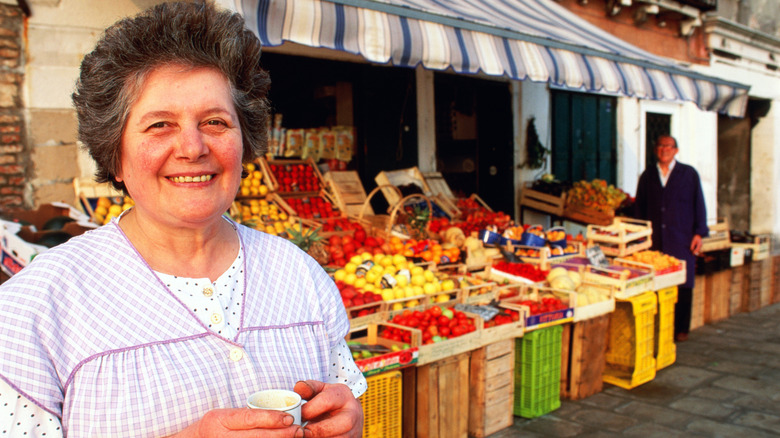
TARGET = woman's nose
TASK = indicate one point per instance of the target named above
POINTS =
(192, 144)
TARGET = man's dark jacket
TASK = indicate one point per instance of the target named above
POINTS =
(677, 212)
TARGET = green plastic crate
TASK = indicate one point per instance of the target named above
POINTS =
(538, 372)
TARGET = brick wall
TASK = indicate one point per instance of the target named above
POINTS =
(14, 156)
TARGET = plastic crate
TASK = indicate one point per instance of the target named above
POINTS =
(538, 372)
(382, 403)
(630, 349)
(665, 349)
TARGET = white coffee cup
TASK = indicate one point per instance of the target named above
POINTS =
(277, 400)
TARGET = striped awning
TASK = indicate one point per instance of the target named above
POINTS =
(519, 39)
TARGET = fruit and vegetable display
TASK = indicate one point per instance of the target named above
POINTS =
(659, 261)
(550, 186)
(108, 208)
(295, 177)
(571, 280)
(265, 215)
(436, 323)
(312, 207)
(396, 279)
(595, 195)
(528, 271)
(253, 184)
(475, 217)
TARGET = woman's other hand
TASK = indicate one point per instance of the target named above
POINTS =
(242, 422)
(331, 410)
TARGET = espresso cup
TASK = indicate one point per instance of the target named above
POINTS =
(277, 400)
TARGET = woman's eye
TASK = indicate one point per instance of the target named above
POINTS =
(157, 125)
(215, 122)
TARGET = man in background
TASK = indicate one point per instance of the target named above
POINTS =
(670, 196)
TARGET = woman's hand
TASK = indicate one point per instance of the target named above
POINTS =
(242, 422)
(331, 410)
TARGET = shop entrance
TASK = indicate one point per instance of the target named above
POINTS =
(474, 148)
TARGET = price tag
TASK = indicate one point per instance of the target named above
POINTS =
(486, 312)
(596, 256)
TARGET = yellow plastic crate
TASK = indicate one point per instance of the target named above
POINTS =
(382, 402)
(665, 349)
(630, 349)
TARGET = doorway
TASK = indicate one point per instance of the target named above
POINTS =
(474, 139)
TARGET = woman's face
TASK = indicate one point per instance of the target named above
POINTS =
(181, 147)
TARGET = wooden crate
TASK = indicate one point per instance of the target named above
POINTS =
(438, 184)
(491, 388)
(760, 247)
(542, 201)
(584, 215)
(751, 287)
(274, 183)
(583, 357)
(719, 238)
(624, 236)
(88, 192)
(347, 191)
(400, 178)
(735, 289)
(442, 399)
(766, 281)
(776, 279)
(717, 290)
(697, 302)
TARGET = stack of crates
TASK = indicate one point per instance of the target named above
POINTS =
(382, 402)
(630, 349)
(538, 372)
(665, 350)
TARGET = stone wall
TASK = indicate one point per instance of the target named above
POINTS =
(14, 156)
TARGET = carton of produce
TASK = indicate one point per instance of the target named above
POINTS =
(592, 299)
(382, 347)
(26, 233)
(542, 306)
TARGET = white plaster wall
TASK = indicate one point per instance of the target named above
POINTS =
(765, 174)
(531, 99)
(696, 134)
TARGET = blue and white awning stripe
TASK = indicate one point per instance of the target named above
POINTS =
(519, 39)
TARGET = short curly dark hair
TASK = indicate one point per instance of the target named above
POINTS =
(191, 34)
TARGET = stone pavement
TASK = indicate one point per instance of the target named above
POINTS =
(725, 383)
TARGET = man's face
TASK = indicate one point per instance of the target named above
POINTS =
(665, 150)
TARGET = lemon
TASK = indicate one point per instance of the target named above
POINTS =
(357, 260)
(350, 267)
(418, 290)
(398, 259)
(413, 303)
(246, 183)
(368, 287)
(401, 280)
(399, 293)
(386, 261)
(372, 276)
(105, 202)
(360, 283)
(390, 270)
(429, 275)
(409, 292)
(388, 295)
(101, 211)
(447, 285)
(398, 306)
(418, 280)
(350, 278)
(245, 191)
(416, 270)
(366, 256)
(429, 289)
(257, 174)
(339, 275)
(250, 167)
(255, 183)
(115, 209)
(262, 190)
(442, 298)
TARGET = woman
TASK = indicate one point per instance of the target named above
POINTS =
(164, 321)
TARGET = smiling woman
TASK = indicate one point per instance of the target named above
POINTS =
(166, 319)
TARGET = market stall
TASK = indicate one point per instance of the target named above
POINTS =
(543, 316)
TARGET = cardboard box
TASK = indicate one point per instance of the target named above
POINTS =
(22, 230)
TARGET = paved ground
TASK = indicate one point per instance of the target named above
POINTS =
(725, 383)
